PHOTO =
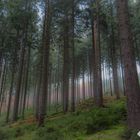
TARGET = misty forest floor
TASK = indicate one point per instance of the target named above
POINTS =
(87, 123)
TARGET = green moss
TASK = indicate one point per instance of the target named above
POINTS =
(73, 126)
(131, 135)
(114, 133)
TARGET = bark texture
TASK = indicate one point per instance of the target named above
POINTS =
(132, 88)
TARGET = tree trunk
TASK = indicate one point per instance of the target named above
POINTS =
(114, 58)
(130, 72)
(10, 92)
(73, 55)
(66, 63)
(98, 95)
(18, 84)
(45, 66)
(26, 80)
(83, 83)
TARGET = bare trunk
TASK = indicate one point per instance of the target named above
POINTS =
(73, 55)
(130, 72)
(26, 80)
(10, 92)
(65, 67)
(98, 95)
(18, 84)
(45, 66)
(114, 59)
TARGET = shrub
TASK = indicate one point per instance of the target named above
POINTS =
(49, 133)
(19, 132)
(131, 135)
(119, 109)
(99, 119)
(78, 126)
(3, 135)
(103, 118)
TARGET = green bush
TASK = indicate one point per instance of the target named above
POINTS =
(3, 135)
(49, 133)
(72, 125)
(99, 119)
(118, 108)
(131, 135)
(103, 118)
(19, 132)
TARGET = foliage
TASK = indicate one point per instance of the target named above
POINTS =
(82, 123)
(70, 126)
(49, 133)
(130, 135)
(3, 135)
(103, 118)
(113, 133)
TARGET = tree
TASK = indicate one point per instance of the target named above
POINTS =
(23, 45)
(98, 95)
(132, 88)
(45, 64)
(114, 56)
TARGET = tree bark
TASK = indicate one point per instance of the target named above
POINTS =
(66, 63)
(18, 84)
(45, 66)
(114, 58)
(130, 72)
(26, 80)
(98, 94)
(11, 90)
(73, 55)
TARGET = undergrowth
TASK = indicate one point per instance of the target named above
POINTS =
(72, 125)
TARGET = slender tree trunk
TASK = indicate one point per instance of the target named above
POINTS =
(3, 96)
(94, 64)
(83, 84)
(114, 59)
(73, 55)
(23, 44)
(110, 82)
(18, 84)
(10, 92)
(45, 66)
(65, 67)
(26, 80)
(22, 88)
(0, 61)
(2, 77)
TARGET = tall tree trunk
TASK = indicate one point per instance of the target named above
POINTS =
(130, 72)
(2, 77)
(114, 58)
(83, 83)
(45, 66)
(66, 64)
(98, 95)
(73, 55)
(3, 96)
(18, 84)
(0, 61)
(23, 44)
(110, 82)
(11, 90)
(93, 48)
(26, 80)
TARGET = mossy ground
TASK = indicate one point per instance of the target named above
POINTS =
(114, 133)
(87, 123)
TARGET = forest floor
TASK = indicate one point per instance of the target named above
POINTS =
(87, 123)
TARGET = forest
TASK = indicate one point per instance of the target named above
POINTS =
(69, 69)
